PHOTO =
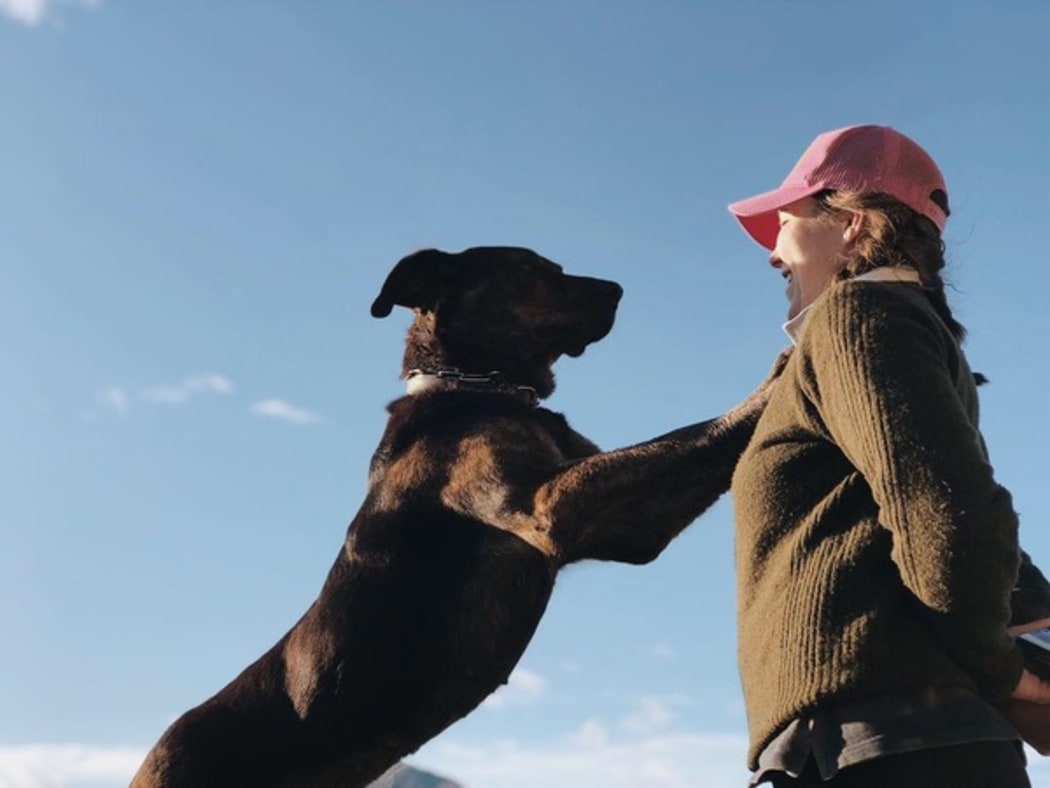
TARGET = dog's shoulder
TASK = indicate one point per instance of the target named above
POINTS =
(571, 443)
(462, 459)
(445, 417)
(475, 453)
(506, 425)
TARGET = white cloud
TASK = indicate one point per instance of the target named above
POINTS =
(33, 12)
(30, 12)
(591, 735)
(592, 757)
(188, 387)
(651, 714)
(115, 397)
(279, 409)
(523, 686)
(67, 765)
(662, 651)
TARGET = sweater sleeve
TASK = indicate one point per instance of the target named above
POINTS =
(885, 381)
(1030, 599)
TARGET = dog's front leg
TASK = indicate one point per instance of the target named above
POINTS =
(627, 505)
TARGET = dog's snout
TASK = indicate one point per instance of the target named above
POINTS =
(603, 289)
(611, 289)
(589, 289)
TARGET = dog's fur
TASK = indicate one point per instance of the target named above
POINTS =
(475, 500)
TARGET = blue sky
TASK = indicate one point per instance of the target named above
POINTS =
(199, 202)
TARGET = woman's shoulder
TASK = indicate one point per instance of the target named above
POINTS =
(868, 301)
(865, 311)
(856, 292)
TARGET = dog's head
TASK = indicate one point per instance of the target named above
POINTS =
(495, 308)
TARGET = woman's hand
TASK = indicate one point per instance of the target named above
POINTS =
(1031, 688)
(1031, 626)
(1028, 710)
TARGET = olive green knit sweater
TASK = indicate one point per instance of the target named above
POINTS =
(875, 551)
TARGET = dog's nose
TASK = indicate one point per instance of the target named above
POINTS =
(611, 289)
(591, 288)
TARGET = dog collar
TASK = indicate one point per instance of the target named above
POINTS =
(449, 378)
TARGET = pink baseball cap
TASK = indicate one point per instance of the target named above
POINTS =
(856, 159)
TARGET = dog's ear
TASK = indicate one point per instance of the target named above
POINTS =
(418, 281)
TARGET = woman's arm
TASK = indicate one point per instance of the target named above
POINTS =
(886, 380)
(1030, 598)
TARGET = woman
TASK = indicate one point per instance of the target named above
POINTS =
(875, 550)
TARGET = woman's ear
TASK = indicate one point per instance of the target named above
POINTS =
(854, 228)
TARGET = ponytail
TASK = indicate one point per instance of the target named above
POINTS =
(895, 235)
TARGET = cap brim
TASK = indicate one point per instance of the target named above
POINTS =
(758, 214)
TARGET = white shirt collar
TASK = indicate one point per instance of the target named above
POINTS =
(793, 327)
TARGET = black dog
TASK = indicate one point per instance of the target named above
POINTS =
(476, 498)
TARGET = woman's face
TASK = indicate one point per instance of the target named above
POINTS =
(808, 252)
